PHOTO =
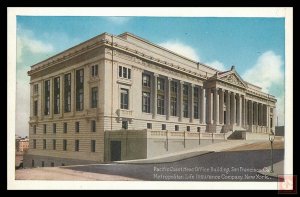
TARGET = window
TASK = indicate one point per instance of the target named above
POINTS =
(124, 98)
(65, 127)
(185, 90)
(146, 80)
(62, 164)
(185, 109)
(67, 92)
(76, 145)
(79, 89)
(43, 164)
(149, 125)
(173, 106)
(32, 163)
(146, 102)
(45, 128)
(44, 144)
(54, 144)
(124, 72)
(56, 95)
(196, 113)
(174, 87)
(94, 97)
(34, 144)
(52, 164)
(64, 144)
(36, 88)
(34, 129)
(94, 70)
(47, 98)
(54, 127)
(198, 129)
(160, 105)
(160, 84)
(124, 124)
(188, 128)
(93, 146)
(163, 127)
(77, 127)
(93, 126)
(35, 108)
(176, 127)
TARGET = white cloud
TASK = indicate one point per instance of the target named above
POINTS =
(120, 20)
(182, 49)
(217, 65)
(27, 42)
(268, 74)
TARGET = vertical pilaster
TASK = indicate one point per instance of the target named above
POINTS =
(228, 107)
(51, 108)
(86, 88)
(208, 106)
(61, 96)
(181, 100)
(73, 91)
(239, 110)
(154, 98)
(168, 98)
(191, 99)
(202, 105)
(250, 112)
(221, 106)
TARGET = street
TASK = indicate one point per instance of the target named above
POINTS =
(218, 166)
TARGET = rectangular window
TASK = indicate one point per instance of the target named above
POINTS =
(185, 90)
(62, 164)
(124, 72)
(174, 87)
(198, 129)
(44, 144)
(34, 129)
(124, 124)
(160, 84)
(76, 145)
(149, 125)
(57, 95)
(54, 127)
(36, 88)
(146, 102)
(43, 164)
(35, 108)
(52, 164)
(94, 70)
(163, 127)
(94, 97)
(32, 163)
(129, 73)
(54, 144)
(173, 106)
(79, 89)
(34, 144)
(120, 71)
(93, 146)
(176, 127)
(67, 92)
(65, 127)
(77, 127)
(47, 98)
(45, 128)
(185, 109)
(64, 144)
(124, 98)
(196, 113)
(188, 128)
(93, 125)
(146, 80)
(160, 104)
(196, 93)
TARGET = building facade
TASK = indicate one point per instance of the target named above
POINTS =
(115, 83)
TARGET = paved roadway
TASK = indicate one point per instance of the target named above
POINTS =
(218, 166)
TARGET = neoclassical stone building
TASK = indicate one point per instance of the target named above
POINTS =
(104, 99)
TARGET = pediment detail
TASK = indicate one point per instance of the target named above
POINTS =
(232, 78)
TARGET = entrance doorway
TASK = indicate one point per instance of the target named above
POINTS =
(115, 150)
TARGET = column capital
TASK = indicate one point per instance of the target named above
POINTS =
(181, 82)
(170, 78)
(155, 75)
(192, 85)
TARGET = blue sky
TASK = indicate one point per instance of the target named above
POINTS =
(254, 45)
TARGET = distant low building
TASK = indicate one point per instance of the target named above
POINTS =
(22, 144)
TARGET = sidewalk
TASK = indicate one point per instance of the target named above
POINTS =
(277, 168)
(216, 147)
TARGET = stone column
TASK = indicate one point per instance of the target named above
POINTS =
(191, 99)
(208, 106)
(246, 111)
(239, 110)
(61, 98)
(228, 107)
(86, 89)
(169, 98)
(202, 105)
(255, 113)
(73, 92)
(261, 114)
(221, 106)
(181, 100)
(216, 106)
(154, 97)
(233, 109)
(243, 111)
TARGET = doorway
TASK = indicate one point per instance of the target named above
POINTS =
(115, 150)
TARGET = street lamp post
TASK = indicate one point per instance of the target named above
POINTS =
(271, 139)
